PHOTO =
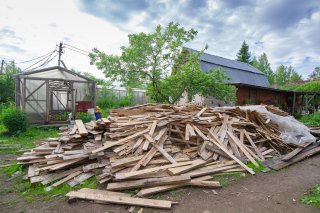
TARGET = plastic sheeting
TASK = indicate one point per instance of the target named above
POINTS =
(292, 131)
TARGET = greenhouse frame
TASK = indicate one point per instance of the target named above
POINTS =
(54, 95)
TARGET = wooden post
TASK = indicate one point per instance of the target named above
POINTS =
(293, 102)
(73, 109)
(24, 94)
(94, 95)
(306, 102)
(47, 102)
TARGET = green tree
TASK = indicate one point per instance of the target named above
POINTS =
(243, 54)
(286, 75)
(154, 60)
(262, 64)
(7, 82)
(315, 75)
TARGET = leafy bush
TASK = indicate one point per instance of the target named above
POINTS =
(84, 116)
(311, 119)
(108, 100)
(14, 119)
(313, 86)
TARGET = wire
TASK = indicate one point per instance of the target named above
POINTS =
(44, 63)
(34, 58)
(77, 51)
(46, 58)
(76, 48)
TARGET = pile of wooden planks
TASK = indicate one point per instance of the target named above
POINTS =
(154, 148)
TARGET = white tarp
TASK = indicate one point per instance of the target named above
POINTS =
(292, 131)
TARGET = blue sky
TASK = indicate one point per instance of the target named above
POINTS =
(287, 30)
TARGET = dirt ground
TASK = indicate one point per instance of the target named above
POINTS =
(265, 192)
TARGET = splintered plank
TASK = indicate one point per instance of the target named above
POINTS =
(81, 128)
(74, 130)
(111, 144)
(241, 146)
(164, 204)
(180, 170)
(80, 178)
(148, 182)
(150, 170)
(215, 141)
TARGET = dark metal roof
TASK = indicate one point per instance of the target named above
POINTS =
(238, 72)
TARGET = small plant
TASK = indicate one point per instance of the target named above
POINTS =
(313, 198)
(14, 120)
(84, 116)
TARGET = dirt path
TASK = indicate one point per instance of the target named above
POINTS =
(271, 192)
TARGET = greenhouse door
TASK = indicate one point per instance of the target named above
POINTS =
(35, 100)
(61, 100)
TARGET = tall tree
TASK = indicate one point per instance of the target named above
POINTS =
(262, 64)
(149, 59)
(244, 55)
(315, 75)
(284, 75)
(7, 82)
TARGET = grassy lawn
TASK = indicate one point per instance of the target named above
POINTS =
(313, 198)
(16, 145)
(11, 144)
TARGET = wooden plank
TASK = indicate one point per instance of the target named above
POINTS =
(63, 180)
(150, 170)
(191, 130)
(282, 164)
(74, 130)
(157, 189)
(200, 112)
(121, 199)
(200, 133)
(103, 192)
(215, 141)
(153, 127)
(241, 146)
(164, 153)
(148, 182)
(80, 178)
(81, 128)
(180, 170)
(111, 144)
(253, 144)
(294, 153)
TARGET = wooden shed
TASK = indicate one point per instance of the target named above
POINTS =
(50, 95)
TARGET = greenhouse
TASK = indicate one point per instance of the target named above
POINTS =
(54, 95)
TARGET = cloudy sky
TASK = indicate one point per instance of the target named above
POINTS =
(287, 30)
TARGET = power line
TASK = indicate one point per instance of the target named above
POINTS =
(45, 63)
(45, 58)
(76, 48)
(34, 58)
(77, 51)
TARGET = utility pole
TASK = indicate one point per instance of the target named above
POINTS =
(2, 64)
(60, 53)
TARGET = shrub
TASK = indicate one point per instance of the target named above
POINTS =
(84, 116)
(14, 119)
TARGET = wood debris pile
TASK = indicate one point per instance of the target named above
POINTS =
(154, 148)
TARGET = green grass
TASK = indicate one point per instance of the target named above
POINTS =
(254, 168)
(11, 144)
(311, 119)
(10, 170)
(226, 179)
(313, 198)
(37, 192)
